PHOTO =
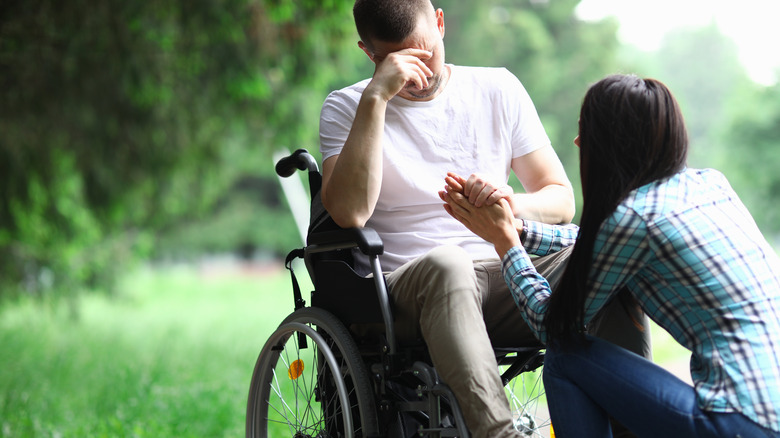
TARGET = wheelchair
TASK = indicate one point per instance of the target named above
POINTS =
(336, 369)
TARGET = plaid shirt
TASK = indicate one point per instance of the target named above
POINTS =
(691, 254)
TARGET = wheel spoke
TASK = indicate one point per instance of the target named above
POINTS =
(305, 388)
(528, 404)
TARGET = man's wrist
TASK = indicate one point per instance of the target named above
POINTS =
(376, 92)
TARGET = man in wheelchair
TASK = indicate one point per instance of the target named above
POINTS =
(388, 142)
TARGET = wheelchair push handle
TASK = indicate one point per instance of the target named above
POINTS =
(298, 160)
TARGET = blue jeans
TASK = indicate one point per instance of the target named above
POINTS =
(588, 382)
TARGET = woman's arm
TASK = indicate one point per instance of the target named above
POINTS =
(621, 251)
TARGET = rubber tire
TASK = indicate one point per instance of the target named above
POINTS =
(307, 418)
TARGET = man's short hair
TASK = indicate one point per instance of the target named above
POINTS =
(389, 21)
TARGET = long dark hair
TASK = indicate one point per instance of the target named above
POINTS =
(631, 133)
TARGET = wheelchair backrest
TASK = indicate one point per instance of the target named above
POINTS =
(338, 288)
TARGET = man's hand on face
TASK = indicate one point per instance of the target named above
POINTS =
(397, 69)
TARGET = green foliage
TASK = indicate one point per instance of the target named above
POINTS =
(119, 120)
(752, 153)
(131, 130)
(250, 219)
(684, 62)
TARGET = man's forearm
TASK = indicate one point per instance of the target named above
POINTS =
(553, 204)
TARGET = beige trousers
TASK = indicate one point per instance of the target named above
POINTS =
(462, 309)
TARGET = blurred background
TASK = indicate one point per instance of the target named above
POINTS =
(141, 222)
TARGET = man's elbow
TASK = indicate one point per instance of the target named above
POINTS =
(559, 205)
(570, 207)
(344, 216)
(348, 220)
(568, 215)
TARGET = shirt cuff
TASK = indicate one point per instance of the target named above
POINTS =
(533, 236)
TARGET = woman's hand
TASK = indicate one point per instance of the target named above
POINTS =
(478, 190)
(495, 223)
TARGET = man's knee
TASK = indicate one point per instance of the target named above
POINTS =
(421, 289)
(448, 269)
(447, 257)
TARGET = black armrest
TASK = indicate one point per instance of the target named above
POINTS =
(366, 239)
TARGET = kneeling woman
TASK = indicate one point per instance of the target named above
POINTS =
(683, 244)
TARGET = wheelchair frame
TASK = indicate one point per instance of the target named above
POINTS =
(357, 385)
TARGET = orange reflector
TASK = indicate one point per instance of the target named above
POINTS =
(552, 432)
(295, 370)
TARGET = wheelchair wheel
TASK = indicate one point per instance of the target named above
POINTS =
(310, 381)
(528, 403)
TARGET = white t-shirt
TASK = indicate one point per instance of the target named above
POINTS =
(481, 121)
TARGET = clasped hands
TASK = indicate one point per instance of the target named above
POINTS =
(483, 208)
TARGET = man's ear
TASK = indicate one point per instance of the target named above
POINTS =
(440, 21)
(366, 51)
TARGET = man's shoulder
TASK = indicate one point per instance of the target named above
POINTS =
(487, 80)
(484, 73)
(351, 92)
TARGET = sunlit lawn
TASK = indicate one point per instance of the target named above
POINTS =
(171, 355)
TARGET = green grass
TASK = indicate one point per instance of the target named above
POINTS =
(170, 355)
(669, 354)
